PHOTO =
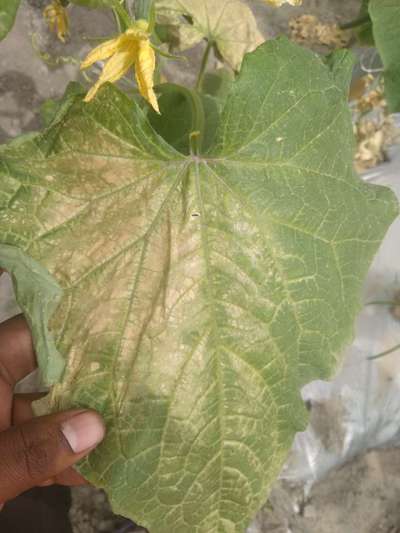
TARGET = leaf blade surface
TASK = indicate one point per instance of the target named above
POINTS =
(8, 12)
(199, 293)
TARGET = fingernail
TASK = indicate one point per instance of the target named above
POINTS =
(83, 431)
(46, 483)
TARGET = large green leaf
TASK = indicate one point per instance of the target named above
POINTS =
(195, 294)
(385, 15)
(8, 12)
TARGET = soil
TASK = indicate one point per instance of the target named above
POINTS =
(362, 496)
(91, 513)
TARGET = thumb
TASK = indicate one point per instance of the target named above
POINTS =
(43, 447)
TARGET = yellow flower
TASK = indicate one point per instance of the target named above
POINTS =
(279, 3)
(57, 19)
(131, 48)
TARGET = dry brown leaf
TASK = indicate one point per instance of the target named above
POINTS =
(308, 29)
(373, 126)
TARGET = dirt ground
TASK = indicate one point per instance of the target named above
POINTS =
(362, 496)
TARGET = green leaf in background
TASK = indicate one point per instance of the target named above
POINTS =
(215, 88)
(218, 83)
(191, 297)
(178, 116)
(8, 12)
(48, 110)
(184, 111)
(50, 107)
(228, 24)
(364, 31)
(362, 26)
(385, 15)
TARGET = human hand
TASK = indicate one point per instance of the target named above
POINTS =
(36, 451)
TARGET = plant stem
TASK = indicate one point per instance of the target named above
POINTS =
(355, 23)
(123, 18)
(386, 352)
(198, 121)
(143, 9)
(203, 65)
(384, 302)
(197, 126)
(120, 25)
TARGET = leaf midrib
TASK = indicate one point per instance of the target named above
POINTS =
(214, 322)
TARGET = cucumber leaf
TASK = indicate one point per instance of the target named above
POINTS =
(184, 111)
(364, 32)
(8, 12)
(177, 118)
(228, 24)
(189, 298)
(385, 15)
(217, 83)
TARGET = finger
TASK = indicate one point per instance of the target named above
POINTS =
(22, 407)
(22, 412)
(44, 447)
(71, 478)
(16, 361)
(17, 358)
(47, 483)
(5, 403)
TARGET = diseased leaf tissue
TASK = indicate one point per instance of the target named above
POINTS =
(193, 335)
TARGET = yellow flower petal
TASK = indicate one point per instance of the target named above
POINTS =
(144, 71)
(50, 16)
(101, 52)
(114, 69)
(131, 48)
(57, 19)
(62, 28)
